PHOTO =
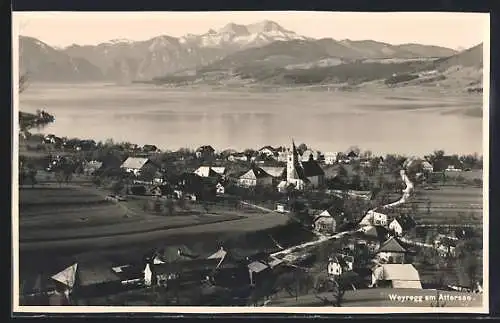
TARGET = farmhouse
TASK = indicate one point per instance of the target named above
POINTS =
(372, 236)
(86, 279)
(392, 252)
(374, 218)
(255, 177)
(134, 165)
(396, 276)
(427, 167)
(268, 151)
(329, 221)
(339, 264)
(401, 224)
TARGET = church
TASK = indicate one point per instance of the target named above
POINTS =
(302, 173)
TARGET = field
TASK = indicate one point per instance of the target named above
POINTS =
(75, 222)
(450, 204)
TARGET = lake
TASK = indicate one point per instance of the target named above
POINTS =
(388, 121)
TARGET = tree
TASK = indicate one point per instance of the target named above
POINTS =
(117, 186)
(31, 174)
(59, 175)
(169, 207)
(23, 82)
(301, 148)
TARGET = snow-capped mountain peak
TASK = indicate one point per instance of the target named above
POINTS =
(232, 28)
(243, 36)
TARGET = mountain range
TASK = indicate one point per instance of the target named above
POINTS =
(234, 48)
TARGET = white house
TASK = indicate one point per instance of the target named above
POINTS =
(219, 189)
(396, 227)
(238, 157)
(268, 151)
(331, 158)
(134, 165)
(340, 264)
(374, 218)
(280, 208)
(325, 224)
(255, 177)
(427, 167)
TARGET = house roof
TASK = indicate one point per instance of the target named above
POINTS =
(171, 254)
(255, 173)
(406, 222)
(186, 265)
(268, 148)
(404, 272)
(352, 154)
(391, 245)
(274, 171)
(312, 168)
(426, 164)
(219, 170)
(134, 162)
(93, 275)
(206, 171)
(205, 148)
(376, 232)
(219, 254)
(257, 266)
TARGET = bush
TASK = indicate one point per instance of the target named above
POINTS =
(138, 190)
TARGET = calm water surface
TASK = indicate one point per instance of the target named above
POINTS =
(329, 121)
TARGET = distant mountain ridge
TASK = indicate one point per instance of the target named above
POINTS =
(230, 46)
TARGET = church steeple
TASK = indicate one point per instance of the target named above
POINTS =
(293, 162)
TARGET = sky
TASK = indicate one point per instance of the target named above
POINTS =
(60, 29)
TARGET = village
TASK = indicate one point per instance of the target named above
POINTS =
(372, 222)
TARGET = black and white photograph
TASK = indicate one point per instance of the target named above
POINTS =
(250, 162)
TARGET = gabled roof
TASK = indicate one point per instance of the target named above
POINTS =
(206, 171)
(426, 164)
(406, 222)
(312, 168)
(172, 254)
(404, 272)
(257, 266)
(352, 154)
(376, 232)
(255, 173)
(219, 170)
(268, 148)
(274, 171)
(391, 245)
(185, 266)
(134, 162)
(219, 254)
